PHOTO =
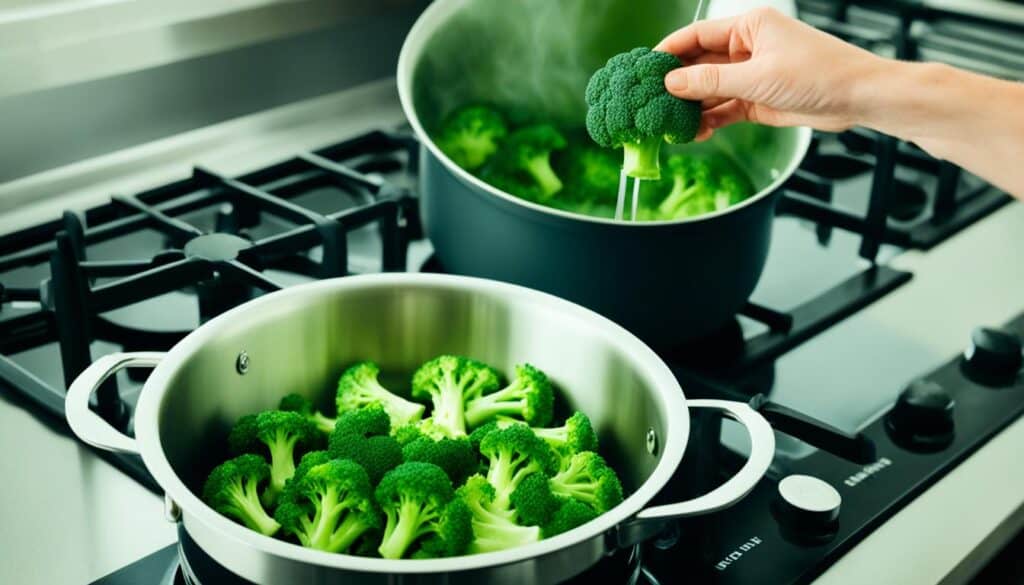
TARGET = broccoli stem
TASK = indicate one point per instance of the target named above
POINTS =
(328, 511)
(448, 409)
(679, 194)
(497, 530)
(325, 424)
(282, 462)
(351, 528)
(504, 473)
(640, 159)
(400, 533)
(250, 512)
(540, 169)
(508, 400)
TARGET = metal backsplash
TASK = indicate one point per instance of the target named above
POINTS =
(61, 124)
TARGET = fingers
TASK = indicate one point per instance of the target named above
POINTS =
(700, 82)
(726, 113)
(700, 37)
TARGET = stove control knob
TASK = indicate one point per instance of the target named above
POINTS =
(994, 356)
(807, 509)
(922, 418)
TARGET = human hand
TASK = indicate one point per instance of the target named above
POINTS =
(765, 67)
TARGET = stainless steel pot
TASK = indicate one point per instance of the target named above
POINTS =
(666, 281)
(299, 339)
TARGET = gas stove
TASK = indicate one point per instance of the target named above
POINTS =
(861, 343)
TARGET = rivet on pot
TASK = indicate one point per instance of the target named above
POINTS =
(652, 441)
(242, 362)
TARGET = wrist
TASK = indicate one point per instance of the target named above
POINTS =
(890, 96)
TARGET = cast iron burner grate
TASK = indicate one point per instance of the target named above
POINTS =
(222, 264)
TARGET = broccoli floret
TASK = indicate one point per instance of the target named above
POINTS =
(449, 382)
(524, 160)
(517, 184)
(408, 433)
(590, 480)
(731, 190)
(358, 387)
(414, 497)
(470, 135)
(482, 431)
(512, 455)
(494, 527)
(366, 422)
(233, 489)
(242, 438)
(330, 507)
(454, 533)
(280, 434)
(570, 514)
(300, 404)
(692, 188)
(308, 461)
(362, 436)
(577, 434)
(591, 175)
(528, 397)
(628, 106)
(455, 456)
(533, 501)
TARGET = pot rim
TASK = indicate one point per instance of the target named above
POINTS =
(433, 17)
(658, 376)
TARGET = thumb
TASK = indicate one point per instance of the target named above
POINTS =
(700, 82)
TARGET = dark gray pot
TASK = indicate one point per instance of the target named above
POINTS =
(668, 282)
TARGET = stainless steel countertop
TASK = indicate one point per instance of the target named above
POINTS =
(71, 518)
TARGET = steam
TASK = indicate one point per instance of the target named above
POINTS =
(533, 58)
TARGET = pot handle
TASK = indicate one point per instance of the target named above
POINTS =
(86, 424)
(650, 521)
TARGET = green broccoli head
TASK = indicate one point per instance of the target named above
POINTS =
(577, 434)
(282, 435)
(494, 527)
(513, 454)
(628, 106)
(377, 454)
(471, 135)
(524, 163)
(233, 489)
(455, 456)
(449, 382)
(358, 387)
(302, 405)
(591, 174)
(367, 421)
(570, 514)
(330, 507)
(482, 431)
(528, 397)
(590, 480)
(533, 501)
(514, 183)
(414, 497)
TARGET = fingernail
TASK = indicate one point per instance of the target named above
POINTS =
(676, 80)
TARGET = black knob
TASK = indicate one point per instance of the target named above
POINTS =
(922, 418)
(994, 357)
(807, 509)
